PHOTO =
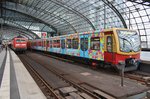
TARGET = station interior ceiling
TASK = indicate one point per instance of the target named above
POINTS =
(60, 17)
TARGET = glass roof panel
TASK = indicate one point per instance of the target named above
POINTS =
(69, 16)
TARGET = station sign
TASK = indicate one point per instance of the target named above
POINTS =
(44, 34)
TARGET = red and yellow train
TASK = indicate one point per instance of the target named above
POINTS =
(115, 47)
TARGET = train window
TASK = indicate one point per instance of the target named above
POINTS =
(40, 43)
(47, 43)
(95, 43)
(37, 43)
(20, 40)
(51, 44)
(34, 43)
(75, 43)
(109, 43)
(43, 44)
(84, 44)
(62, 44)
(69, 43)
(17, 40)
(56, 43)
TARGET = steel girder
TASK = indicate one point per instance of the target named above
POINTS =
(8, 26)
(23, 28)
(116, 11)
(34, 18)
(50, 14)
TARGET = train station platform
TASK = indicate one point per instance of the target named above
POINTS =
(145, 56)
(145, 62)
(16, 82)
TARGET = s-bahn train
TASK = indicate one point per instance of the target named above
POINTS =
(116, 47)
(19, 44)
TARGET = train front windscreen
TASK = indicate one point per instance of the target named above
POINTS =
(20, 40)
(129, 41)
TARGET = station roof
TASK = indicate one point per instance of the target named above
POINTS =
(71, 16)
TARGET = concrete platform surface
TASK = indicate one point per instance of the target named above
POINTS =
(145, 55)
(2, 55)
(25, 85)
(110, 84)
(5, 85)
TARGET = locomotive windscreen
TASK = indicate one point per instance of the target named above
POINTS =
(20, 40)
(128, 40)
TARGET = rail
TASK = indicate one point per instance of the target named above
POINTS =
(49, 91)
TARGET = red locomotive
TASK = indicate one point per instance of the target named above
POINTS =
(19, 44)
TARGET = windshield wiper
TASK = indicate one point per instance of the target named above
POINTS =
(128, 42)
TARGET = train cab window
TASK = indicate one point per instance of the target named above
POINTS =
(62, 44)
(109, 43)
(69, 43)
(17, 40)
(20, 40)
(84, 44)
(95, 43)
(75, 43)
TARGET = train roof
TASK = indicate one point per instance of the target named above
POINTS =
(76, 34)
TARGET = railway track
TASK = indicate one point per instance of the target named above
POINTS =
(61, 74)
(143, 78)
(46, 88)
(56, 92)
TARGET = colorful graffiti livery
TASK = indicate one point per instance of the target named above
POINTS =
(115, 47)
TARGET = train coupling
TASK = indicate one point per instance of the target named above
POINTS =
(129, 64)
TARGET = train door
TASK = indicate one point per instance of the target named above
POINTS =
(84, 45)
(63, 46)
(109, 55)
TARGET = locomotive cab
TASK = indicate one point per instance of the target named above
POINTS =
(122, 48)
